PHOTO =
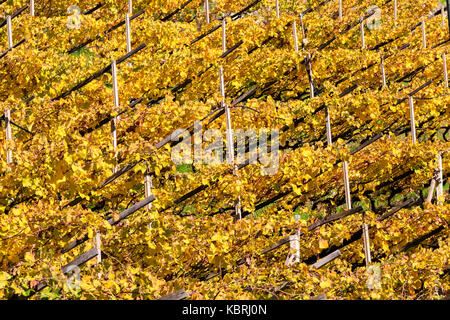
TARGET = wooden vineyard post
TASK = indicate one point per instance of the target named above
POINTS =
(32, 8)
(207, 10)
(448, 17)
(361, 26)
(277, 8)
(304, 39)
(383, 74)
(8, 111)
(130, 7)
(8, 135)
(348, 202)
(328, 125)
(114, 80)
(294, 249)
(340, 10)
(367, 254)
(116, 105)
(311, 84)
(432, 186)
(230, 149)
(224, 35)
(411, 115)
(395, 10)
(128, 32)
(444, 62)
(348, 199)
(230, 143)
(307, 59)
(148, 186)
(443, 16)
(9, 32)
(435, 181)
(98, 246)
(294, 31)
(303, 28)
(424, 36)
(439, 182)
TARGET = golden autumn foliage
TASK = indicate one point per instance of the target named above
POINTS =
(58, 187)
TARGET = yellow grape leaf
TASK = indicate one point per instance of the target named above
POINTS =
(116, 216)
(296, 190)
(29, 257)
(3, 279)
(325, 284)
(323, 244)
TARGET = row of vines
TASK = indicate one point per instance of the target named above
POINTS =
(87, 177)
